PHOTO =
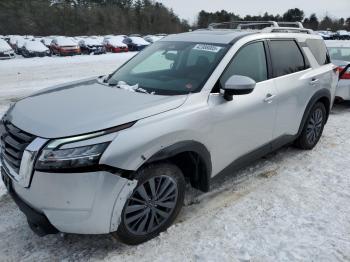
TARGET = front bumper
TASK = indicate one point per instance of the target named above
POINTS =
(69, 52)
(80, 203)
(7, 55)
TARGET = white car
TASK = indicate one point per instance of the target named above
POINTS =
(113, 154)
(6, 51)
(339, 52)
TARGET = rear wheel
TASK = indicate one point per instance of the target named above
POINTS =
(313, 128)
(154, 204)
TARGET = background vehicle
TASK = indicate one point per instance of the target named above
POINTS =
(6, 51)
(326, 35)
(35, 49)
(115, 44)
(47, 41)
(342, 35)
(189, 107)
(64, 46)
(13, 41)
(152, 38)
(91, 46)
(340, 56)
(19, 45)
(136, 43)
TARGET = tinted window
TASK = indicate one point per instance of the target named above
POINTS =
(249, 61)
(286, 57)
(319, 50)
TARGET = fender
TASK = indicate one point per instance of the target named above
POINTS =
(320, 94)
(189, 146)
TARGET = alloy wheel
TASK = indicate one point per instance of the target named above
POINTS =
(151, 204)
(314, 126)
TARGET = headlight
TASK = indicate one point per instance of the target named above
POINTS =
(76, 153)
(85, 156)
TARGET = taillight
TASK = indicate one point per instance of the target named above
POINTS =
(344, 72)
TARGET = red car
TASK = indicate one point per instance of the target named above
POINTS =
(64, 46)
(115, 44)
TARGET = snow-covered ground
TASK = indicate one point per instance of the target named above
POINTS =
(292, 205)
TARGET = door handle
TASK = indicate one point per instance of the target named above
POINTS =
(269, 98)
(314, 82)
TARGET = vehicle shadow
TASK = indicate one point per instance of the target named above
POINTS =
(341, 108)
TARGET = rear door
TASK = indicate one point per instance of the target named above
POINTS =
(294, 82)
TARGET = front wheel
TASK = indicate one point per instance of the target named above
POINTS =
(313, 127)
(154, 204)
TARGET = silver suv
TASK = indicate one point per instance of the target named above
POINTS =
(114, 154)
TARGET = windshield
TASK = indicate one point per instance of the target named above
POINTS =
(339, 53)
(171, 68)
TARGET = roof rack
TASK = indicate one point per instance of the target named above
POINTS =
(239, 24)
(262, 26)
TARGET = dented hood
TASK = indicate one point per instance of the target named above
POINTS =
(84, 107)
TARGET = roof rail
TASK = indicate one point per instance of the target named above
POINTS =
(239, 24)
(287, 30)
(262, 26)
(290, 24)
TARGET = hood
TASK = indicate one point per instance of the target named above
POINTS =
(83, 107)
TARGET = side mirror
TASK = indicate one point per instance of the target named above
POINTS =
(238, 85)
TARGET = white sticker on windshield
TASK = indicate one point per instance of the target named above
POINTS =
(208, 48)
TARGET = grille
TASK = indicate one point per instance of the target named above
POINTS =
(13, 143)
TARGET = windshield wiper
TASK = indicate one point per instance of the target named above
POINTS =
(134, 88)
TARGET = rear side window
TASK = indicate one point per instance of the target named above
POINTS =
(249, 61)
(286, 57)
(319, 50)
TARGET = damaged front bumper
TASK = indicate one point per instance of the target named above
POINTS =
(79, 203)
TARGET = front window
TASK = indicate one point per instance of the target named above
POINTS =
(339, 53)
(171, 68)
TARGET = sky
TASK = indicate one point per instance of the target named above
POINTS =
(189, 9)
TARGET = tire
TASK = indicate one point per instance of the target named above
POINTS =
(313, 127)
(139, 218)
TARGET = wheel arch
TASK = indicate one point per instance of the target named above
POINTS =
(192, 157)
(323, 96)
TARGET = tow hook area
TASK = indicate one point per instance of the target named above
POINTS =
(37, 221)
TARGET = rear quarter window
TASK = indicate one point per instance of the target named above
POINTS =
(319, 50)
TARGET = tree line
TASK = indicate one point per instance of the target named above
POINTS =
(90, 17)
(87, 17)
(291, 15)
